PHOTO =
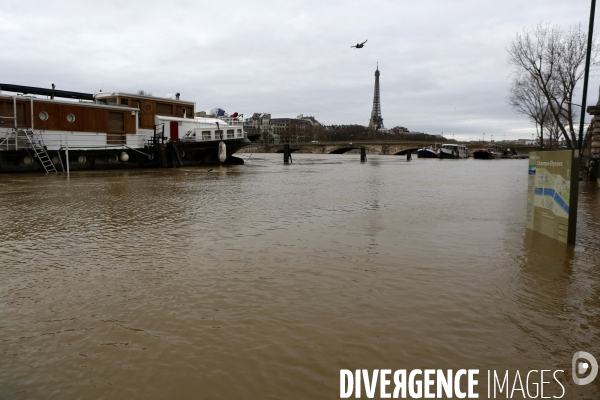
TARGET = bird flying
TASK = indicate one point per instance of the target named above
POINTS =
(360, 45)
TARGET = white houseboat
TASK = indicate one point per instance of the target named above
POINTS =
(453, 151)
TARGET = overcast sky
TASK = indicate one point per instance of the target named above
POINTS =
(443, 64)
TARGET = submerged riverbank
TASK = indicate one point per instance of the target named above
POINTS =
(263, 280)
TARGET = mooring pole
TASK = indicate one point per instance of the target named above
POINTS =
(408, 156)
(286, 153)
(363, 154)
(586, 76)
(67, 152)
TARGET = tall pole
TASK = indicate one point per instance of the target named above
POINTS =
(67, 152)
(587, 74)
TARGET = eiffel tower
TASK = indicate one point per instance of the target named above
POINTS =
(376, 120)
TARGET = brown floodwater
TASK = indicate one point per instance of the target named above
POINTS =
(262, 281)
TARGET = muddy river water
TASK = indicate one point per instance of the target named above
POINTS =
(264, 280)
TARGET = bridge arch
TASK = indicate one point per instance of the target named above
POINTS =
(343, 150)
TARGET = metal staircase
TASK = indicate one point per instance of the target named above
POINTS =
(37, 145)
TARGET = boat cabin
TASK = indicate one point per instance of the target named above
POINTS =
(100, 112)
(113, 115)
(461, 151)
(148, 106)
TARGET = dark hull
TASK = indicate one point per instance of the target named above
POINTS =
(448, 154)
(182, 154)
(426, 153)
(483, 155)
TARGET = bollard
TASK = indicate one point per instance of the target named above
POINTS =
(363, 154)
(408, 156)
(286, 153)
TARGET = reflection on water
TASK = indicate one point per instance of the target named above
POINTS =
(264, 280)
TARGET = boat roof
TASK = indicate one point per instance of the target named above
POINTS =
(67, 102)
(46, 92)
(101, 95)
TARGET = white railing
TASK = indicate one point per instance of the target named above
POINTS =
(232, 121)
(212, 136)
(55, 140)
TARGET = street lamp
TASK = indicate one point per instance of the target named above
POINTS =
(586, 76)
(483, 142)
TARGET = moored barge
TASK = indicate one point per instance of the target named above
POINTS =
(109, 131)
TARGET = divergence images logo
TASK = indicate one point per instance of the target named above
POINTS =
(580, 368)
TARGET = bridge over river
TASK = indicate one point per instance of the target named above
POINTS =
(386, 147)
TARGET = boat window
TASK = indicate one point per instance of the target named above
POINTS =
(108, 100)
(230, 134)
(218, 134)
(205, 135)
(164, 109)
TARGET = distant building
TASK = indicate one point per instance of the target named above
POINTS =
(527, 142)
(310, 119)
(399, 129)
(290, 130)
(281, 130)
(259, 124)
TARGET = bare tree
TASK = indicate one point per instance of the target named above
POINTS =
(525, 98)
(553, 59)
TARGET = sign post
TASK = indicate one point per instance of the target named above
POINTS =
(552, 193)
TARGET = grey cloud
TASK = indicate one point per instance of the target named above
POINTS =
(443, 64)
